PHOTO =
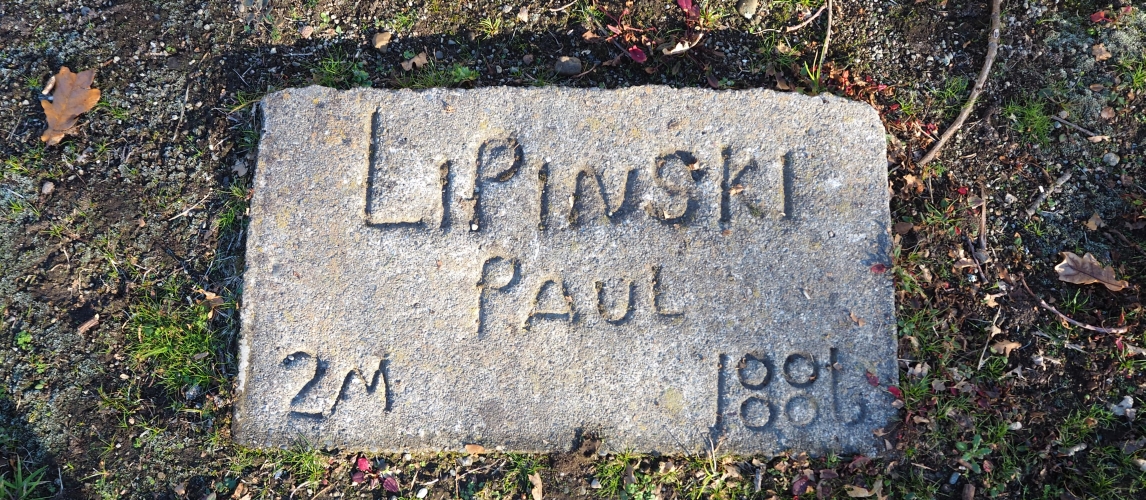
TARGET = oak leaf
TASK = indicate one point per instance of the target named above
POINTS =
(1005, 347)
(72, 97)
(535, 480)
(1086, 270)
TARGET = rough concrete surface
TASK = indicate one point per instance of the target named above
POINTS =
(664, 268)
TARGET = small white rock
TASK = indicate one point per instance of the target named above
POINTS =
(422, 493)
(48, 188)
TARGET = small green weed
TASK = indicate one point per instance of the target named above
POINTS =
(174, 342)
(403, 21)
(1029, 119)
(24, 340)
(490, 26)
(611, 473)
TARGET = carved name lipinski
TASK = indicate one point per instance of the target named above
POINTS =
(664, 268)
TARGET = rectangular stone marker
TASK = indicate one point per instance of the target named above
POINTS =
(515, 267)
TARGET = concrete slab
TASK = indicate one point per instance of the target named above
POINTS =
(665, 268)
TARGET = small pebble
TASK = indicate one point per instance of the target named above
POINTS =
(307, 31)
(567, 66)
(439, 54)
(1010, 198)
(48, 188)
(422, 493)
(527, 59)
(595, 484)
(382, 39)
(1110, 159)
(747, 8)
(954, 478)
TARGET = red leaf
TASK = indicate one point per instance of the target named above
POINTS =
(637, 54)
(800, 485)
(962, 191)
(363, 464)
(871, 379)
(879, 268)
(1099, 17)
(390, 484)
(895, 392)
(1118, 342)
(692, 11)
(713, 82)
(357, 477)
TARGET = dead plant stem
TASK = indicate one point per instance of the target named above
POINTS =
(980, 83)
(1043, 303)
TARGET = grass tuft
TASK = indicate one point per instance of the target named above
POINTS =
(174, 341)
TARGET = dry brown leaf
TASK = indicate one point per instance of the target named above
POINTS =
(475, 449)
(535, 479)
(1096, 87)
(991, 299)
(1005, 347)
(591, 37)
(211, 300)
(1098, 138)
(1094, 222)
(73, 96)
(735, 190)
(857, 491)
(856, 319)
(903, 227)
(963, 263)
(416, 62)
(1107, 113)
(912, 184)
(1086, 270)
(1100, 53)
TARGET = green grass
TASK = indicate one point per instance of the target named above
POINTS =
(949, 98)
(336, 70)
(174, 342)
(1029, 119)
(234, 208)
(1134, 73)
(517, 472)
(21, 485)
(432, 75)
(304, 461)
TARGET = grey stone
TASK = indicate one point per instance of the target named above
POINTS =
(567, 66)
(1111, 159)
(664, 268)
(747, 8)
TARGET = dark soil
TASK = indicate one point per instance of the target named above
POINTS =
(145, 208)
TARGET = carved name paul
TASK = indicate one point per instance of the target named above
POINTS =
(434, 269)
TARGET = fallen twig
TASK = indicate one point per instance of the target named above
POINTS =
(1034, 207)
(563, 7)
(980, 83)
(1126, 241)
(1072, 125)
(994, 331)
(1043, 303)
